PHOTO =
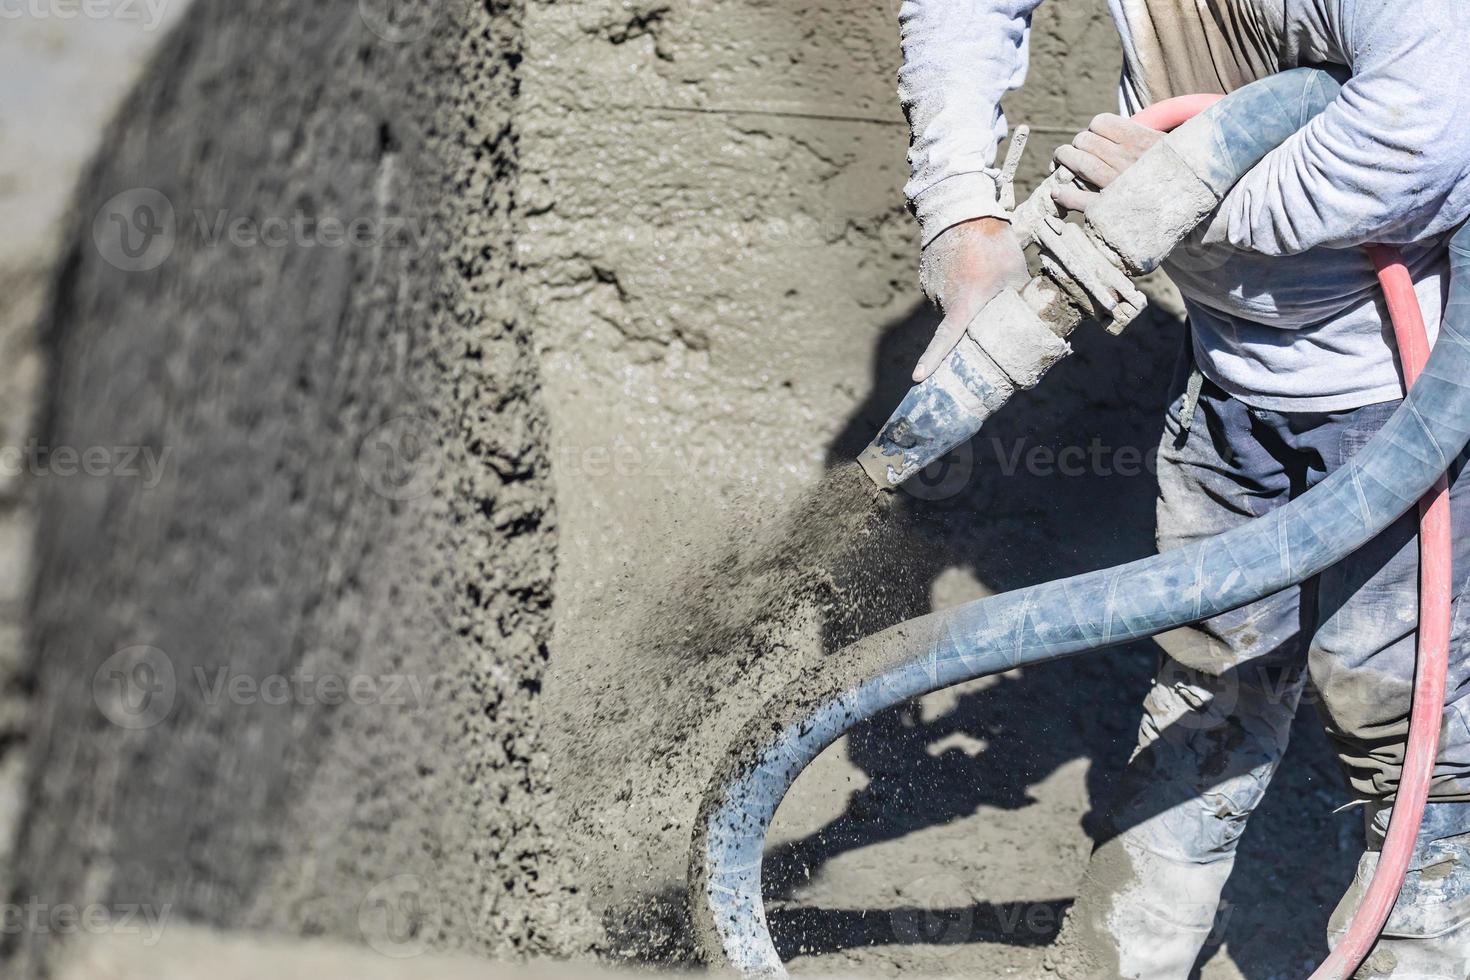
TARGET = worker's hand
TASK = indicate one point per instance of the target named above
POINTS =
(1106, 148)
(962, 270)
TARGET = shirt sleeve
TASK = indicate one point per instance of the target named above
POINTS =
(1386, 162)
(959, 58)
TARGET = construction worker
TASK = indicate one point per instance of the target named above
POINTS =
(1288, 370)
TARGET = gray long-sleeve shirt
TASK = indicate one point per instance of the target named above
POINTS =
(1287, 316)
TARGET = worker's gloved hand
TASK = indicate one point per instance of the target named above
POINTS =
(1106, 148)
(962, 270)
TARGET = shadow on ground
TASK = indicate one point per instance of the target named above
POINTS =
(1052, 490)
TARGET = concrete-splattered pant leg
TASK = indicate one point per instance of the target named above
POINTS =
(1427, 937)
(1362, 660)
(1217, 719)
(1207, 749)
(1211, 737)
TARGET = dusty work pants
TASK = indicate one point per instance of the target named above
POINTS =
(1217, 719)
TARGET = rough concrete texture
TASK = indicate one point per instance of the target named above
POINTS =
(721, 270)
(285, 678)
(62, 79)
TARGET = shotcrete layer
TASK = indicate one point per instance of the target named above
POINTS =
(722, 269)
(291, 684)
(722, 272)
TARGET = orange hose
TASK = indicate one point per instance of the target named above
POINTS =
(1435, 577)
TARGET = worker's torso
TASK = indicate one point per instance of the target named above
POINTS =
(1298, 333)
(1182, 47)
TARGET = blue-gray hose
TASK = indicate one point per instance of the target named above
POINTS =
(1058, 619)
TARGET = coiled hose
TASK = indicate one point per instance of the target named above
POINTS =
(1403, 462)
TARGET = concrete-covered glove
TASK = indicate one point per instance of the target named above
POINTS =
(962, 270)
(1107, 147)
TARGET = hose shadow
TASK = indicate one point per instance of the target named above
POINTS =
(1027, 512)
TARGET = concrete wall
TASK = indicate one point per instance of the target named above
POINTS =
(285, 678)
(63, 76)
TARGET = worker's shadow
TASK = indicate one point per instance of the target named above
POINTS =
(1060, 482)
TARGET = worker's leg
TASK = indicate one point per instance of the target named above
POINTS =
(1207, 750)
(1215, 724)
(1362, 660)
(1428, 935)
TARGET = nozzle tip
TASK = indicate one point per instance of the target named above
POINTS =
(875, 464)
